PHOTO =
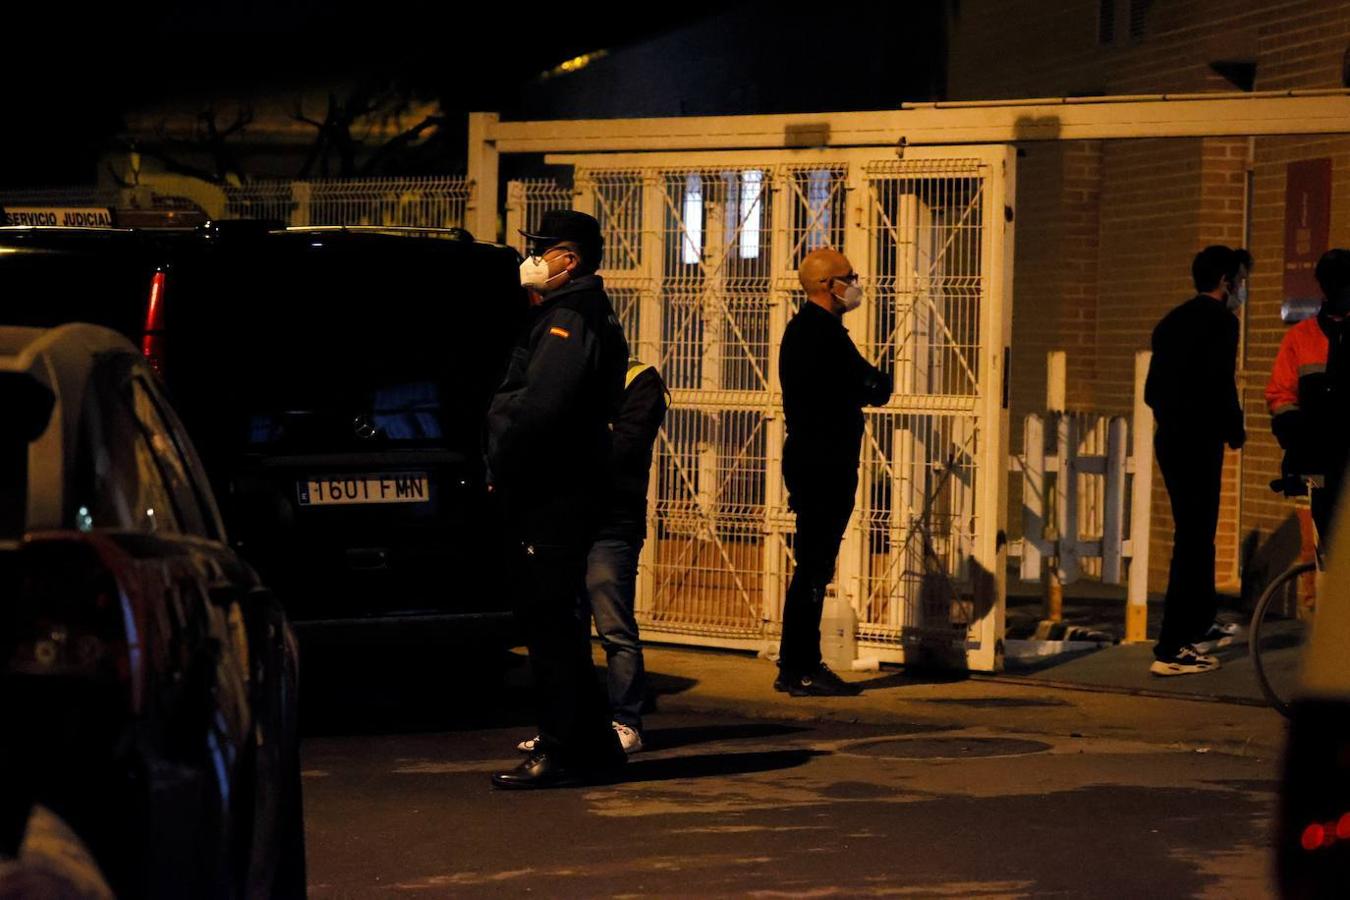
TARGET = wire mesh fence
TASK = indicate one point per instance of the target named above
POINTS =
(431, 202)
(711, 254)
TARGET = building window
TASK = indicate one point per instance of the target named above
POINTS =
(1138, 15)
(751, 212)
(1106, 21)
(693, 220)
(818, 194)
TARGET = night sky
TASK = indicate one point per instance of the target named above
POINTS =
(77, 70)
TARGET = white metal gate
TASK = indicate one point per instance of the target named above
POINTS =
(701, 253)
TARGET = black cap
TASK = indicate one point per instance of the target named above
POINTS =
(568, 226)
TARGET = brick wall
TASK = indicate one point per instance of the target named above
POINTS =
(1055, 268)
(1099, 261)
(1151, 198)
(1301, 49)
(1263, 511)
(1223, 199)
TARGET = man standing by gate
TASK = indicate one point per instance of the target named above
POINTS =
(826, 384)
(548, 445)
(1192, 392)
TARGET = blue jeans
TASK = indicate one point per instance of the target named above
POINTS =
(611, 584)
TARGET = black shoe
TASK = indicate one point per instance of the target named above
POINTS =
(782, 682)
(822, 683)
(544, 770)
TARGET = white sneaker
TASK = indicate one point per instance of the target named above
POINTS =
(1219, 635)
(528, 746)
(629, 738)
(1186, 661)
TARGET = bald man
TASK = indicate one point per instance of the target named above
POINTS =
(826, 384)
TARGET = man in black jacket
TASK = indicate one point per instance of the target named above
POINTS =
(826, 383)
(548, 447)
(1192, 392)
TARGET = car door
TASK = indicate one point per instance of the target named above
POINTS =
(264, 648)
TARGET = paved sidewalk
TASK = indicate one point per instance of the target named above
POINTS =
(719, 681)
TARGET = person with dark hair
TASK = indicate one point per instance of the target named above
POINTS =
(1193, 394)
(1309, 391)
(612, 565)
(548, 450)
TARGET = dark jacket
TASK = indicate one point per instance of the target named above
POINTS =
(1190, 384)
(634, 432)
(548, 438)
(826, 383)
(1309, 396)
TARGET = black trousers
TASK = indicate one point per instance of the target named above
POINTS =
(822, 515)
(569, 700)
(1192, 468)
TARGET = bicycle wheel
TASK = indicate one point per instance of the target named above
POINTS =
(1278, 633)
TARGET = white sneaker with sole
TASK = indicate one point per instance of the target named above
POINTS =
(629, 738)
(1219, 635)
(1186, 661)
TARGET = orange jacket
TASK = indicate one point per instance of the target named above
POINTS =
(1309, 395)
(1303, 353)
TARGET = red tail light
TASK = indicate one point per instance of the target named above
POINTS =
(72, 619)
(152, 344)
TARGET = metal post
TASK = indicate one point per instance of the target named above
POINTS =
(775, 497)
(996, 267)
(1066, 498)
(650, 322)
(913, 366)
(1033, 497)
(854, 550)
(1113, 528)
(480, 214)
(1141, 506)
(302, 196)
(1056, 381)
(516, 207)
(713, 350)
(1056, 393)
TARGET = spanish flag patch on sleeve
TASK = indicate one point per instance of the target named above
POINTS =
(559, 332)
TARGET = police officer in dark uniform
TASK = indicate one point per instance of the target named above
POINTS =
(826, 383)
(548, 444)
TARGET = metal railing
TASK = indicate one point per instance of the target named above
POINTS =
(436, 202)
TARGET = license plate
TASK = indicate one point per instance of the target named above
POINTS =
(411, 487)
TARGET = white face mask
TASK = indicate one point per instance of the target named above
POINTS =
(852, 299)
(1237, 298)
(534, 273)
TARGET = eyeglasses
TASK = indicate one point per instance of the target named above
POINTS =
(850, 278)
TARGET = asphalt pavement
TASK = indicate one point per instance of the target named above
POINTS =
(921, 786)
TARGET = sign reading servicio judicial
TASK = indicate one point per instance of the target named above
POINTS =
(68, 217)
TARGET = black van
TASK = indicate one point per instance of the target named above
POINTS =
(335, 381)
(51, 276)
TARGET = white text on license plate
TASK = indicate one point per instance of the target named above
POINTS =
(406, 488)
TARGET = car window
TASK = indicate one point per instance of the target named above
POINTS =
(190, 485)
(157, 434)
(125, 489)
